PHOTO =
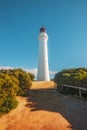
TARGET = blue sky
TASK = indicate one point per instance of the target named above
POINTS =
(66, 23)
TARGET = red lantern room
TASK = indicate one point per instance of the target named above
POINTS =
(42, 29)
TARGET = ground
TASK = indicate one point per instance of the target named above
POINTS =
(45, 109)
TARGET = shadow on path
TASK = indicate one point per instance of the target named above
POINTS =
(73, 110)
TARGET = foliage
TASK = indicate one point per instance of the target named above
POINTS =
(13, 82)
(31, 76)
(24, 81)
(8, 90)
(76, 77)
(21, 78)
(8, 104)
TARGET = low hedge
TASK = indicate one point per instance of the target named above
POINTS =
(75, 77)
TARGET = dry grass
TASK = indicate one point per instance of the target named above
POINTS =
(42, 84)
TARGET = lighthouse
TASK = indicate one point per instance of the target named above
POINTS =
(43, 68)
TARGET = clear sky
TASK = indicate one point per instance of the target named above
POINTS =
(66, 23)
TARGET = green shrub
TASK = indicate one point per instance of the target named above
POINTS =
(31, 76)
(75, 77)
(8, 104)
(13, 82)
(24, 81)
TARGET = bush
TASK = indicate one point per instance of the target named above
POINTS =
(25, 81)
(8, 104)
(8, 90)
(13, 82)
(31, 76)
(75, 77)
(21, 78)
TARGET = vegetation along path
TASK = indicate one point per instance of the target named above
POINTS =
(45, 109)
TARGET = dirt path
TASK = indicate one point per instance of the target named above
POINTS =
(45, 109)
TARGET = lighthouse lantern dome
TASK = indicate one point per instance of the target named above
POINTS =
(42, 29)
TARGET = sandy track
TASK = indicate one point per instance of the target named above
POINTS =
(45, 110)
(42, 85)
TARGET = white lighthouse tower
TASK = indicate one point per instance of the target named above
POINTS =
(43, 68)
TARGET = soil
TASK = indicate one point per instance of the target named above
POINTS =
(46, 109)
